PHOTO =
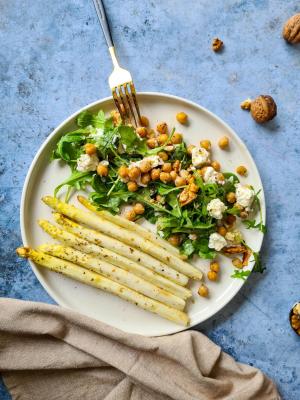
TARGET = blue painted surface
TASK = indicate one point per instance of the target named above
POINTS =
(53, 60)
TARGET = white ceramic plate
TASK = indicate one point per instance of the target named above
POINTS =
(44, 176)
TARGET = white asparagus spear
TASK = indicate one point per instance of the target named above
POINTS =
(124, 250)
(93, 279)
(132, 226)
(114, 273)
(80, 244)
(124, 235)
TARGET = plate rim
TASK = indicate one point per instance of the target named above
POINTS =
(57, 299)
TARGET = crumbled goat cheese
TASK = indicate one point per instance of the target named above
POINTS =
(216, 208)
(104, 162)
(87, 163)
(96, 134)
(155, 161)
(216, 242)
(244, 196)
(200, 156)
(235, 237)
(193, 236)
(211, 176)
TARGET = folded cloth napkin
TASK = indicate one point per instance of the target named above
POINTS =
(51, 353)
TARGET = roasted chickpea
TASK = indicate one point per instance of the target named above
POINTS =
(155, 173)
(167, 167)
(145, 179)
(176, 165)
(179, 181)
(193, 187)
(223, 142)
(173, 175)
(230, 197)
(145, 166)
(191, 179)
(203, 291)
(134, 173)
(116, 117)
(237, 262)
(190, 149)
(174, 240)
(90, 148)
(142, 131)
(202, 171)
(152, 143)
(206, 144)
(162, 128)
(244, 214)
(216, 166)
(165, 177)
(163, 138)
(241, 170)
(220, 177)
(130, 215)
(182, 117)
(212, 275)
(151, 134)
(176, 138)
(214, 266)
(123, 171)
(132, 186)
(163, 155)
(222, 230)
(139, 209)
(102, 170)
(144, 121)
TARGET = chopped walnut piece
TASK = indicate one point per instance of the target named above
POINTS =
(246, 104)
(217, 44)
(186, 196)
(235, 249)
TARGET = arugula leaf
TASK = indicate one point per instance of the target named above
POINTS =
(172, 200)
(133, 143)
(77, 180)
(69, 147)
(258, 265)
(251, 224)
(84, 119)
(238, 274)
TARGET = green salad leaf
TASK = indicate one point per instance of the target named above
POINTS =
(240, 274)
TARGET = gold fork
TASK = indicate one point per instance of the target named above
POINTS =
(120, 81)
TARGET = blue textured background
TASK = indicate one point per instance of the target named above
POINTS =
(53, 60)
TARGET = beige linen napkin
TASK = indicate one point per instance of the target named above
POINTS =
(51, 353)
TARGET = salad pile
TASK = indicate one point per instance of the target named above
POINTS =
(179, 188)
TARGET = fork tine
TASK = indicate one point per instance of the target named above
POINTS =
(117, 103)
(122, 96)
(133, 94)
(128, 97)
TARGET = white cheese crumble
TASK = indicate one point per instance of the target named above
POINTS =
(87, 163)
(216, 241)
(154, 161)
(216, 208)
(211, 176)
(200, 156)
(244, 196)
(104, 162)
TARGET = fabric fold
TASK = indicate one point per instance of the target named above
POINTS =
(48, 352)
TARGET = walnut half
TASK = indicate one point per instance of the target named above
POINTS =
(291, 29)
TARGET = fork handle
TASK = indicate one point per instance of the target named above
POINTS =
(99, 6)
